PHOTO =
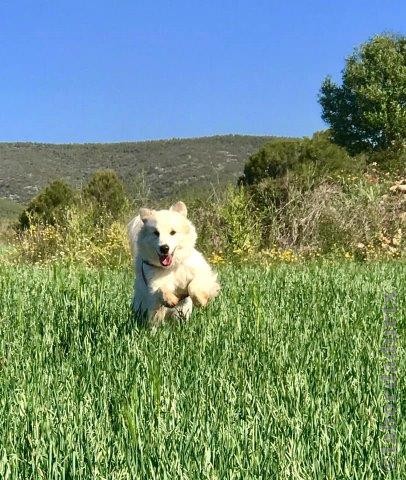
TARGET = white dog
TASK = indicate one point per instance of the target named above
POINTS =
(171, 275)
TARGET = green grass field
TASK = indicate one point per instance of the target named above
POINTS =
(280, 378)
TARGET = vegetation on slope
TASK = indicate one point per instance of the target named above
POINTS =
(168, 165)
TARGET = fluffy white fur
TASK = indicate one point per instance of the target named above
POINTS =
(175, 281)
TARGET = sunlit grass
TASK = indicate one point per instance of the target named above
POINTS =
(279, 378)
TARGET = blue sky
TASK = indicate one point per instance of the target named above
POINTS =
(87, 71)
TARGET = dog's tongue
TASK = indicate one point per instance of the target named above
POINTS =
(165, 260)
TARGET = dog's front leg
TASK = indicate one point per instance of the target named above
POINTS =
(168, 298)
(201, 292)
(162, 300)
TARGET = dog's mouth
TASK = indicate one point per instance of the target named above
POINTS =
(165, 259)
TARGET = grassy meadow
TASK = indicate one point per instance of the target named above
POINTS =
(279, 378)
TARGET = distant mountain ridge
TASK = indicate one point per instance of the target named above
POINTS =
(170, 166)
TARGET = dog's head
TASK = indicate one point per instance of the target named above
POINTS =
(166, 236)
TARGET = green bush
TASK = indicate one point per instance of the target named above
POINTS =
(48, 207)
(240, 224)
(105, 192)
(272, 160)
(389, 161)
(226, 223)
(326, 157)
(317, 154)
(270, 192)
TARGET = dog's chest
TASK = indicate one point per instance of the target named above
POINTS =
(175, 280)
(181, 279)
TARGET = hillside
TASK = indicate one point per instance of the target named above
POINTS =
(169, 165)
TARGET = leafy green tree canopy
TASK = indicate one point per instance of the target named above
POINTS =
(368, 111)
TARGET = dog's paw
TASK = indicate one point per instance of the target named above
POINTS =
(215, 290)
(199, 298)
(169, 299)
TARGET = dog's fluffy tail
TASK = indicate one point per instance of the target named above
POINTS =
(133, 229)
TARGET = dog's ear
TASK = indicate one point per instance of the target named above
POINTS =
(145, 214)
(179, 207)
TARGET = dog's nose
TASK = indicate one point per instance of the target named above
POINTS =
(164, 249)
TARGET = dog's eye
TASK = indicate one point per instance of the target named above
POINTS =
(173, 232)
(156, 233)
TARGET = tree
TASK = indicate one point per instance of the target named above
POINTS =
(48, 206)
(106, 192)
(368, 111)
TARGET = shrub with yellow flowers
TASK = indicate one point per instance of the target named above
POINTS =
(77, 240)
